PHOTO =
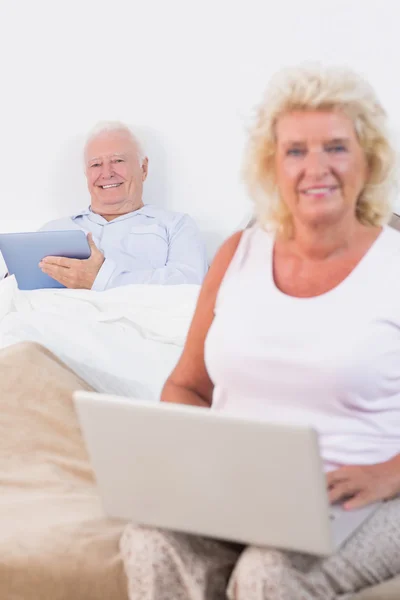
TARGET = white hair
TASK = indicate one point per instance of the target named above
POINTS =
(111, 126)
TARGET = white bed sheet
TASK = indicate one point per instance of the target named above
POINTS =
(125, 340)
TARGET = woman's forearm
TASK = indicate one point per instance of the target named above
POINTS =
(181, 395)
(395, 463)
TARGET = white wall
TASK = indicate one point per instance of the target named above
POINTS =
(186, 72)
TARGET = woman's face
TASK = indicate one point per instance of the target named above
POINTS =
(320, 166)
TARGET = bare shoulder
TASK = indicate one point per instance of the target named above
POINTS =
(222, 261)
(190, 373)
(204, 313)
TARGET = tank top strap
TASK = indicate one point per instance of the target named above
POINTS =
(253, 256)
(255, 246)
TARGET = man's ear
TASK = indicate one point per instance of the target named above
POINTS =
(145, 168)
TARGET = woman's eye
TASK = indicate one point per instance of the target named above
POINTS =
(295, 152)
(336, 149)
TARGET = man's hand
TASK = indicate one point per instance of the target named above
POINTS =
(75, 273)
(357, 486)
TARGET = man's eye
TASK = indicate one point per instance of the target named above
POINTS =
(118, 160)
(95, 165)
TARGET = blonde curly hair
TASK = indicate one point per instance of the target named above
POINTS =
(325, 89)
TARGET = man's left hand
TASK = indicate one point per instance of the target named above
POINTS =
(357, 486)
(72, 272)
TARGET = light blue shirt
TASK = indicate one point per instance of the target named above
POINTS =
(149, 245)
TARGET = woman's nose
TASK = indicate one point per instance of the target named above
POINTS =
(316, 164)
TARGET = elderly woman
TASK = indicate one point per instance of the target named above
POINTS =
(300, 314)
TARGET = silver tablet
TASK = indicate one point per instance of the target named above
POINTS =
(22, 253)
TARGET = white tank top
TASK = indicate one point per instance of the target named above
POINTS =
(331, 361)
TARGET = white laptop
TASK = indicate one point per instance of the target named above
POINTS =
(198, 471)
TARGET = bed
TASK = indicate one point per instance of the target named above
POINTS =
(56, 543)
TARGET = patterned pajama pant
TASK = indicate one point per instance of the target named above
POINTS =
(162, 565)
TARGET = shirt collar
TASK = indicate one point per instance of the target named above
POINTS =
(146, 210)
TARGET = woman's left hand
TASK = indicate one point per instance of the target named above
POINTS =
(357, 486)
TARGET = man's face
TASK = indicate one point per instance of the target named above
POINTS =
(114, 174)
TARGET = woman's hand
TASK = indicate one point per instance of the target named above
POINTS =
(357, 486)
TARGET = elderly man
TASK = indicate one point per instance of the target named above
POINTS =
(130, 242)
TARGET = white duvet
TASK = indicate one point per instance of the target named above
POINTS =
(125, 340)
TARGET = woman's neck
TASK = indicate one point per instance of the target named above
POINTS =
(329, 241)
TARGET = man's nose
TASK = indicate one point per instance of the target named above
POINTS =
(106, 170)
